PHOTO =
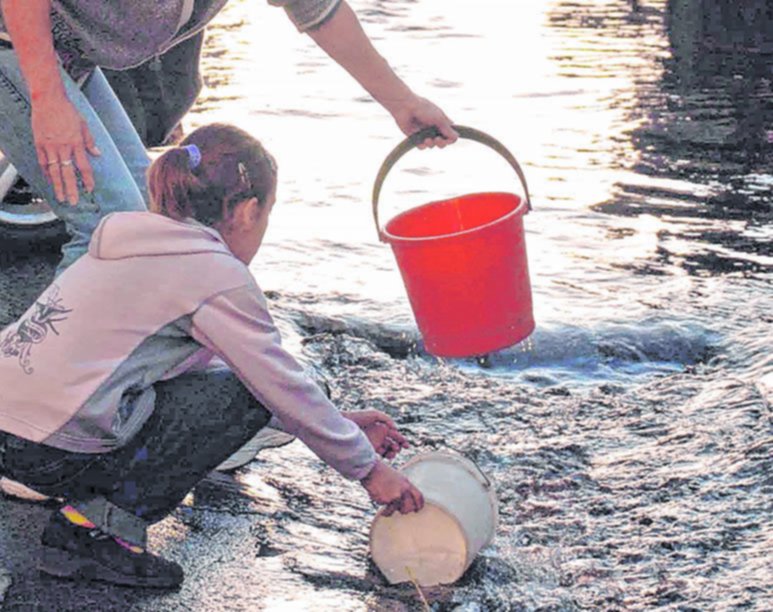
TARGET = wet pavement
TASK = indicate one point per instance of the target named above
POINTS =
(226, 535)
(630, 438)
(650, 495)
(284, 533)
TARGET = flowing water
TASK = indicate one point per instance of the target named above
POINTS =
(630, 437)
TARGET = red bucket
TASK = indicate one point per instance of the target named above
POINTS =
(463, 262)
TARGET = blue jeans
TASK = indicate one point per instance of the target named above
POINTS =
(119, 172)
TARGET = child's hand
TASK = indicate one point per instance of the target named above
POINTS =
(385, 485)
(380, 430)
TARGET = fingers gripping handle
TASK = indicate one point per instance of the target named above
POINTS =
(431, 132)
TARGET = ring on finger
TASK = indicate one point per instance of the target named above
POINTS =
(56, 162)
(66, 162)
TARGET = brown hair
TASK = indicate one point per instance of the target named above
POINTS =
(233, 167)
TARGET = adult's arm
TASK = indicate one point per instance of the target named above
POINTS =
(341, 36)
(60, 133)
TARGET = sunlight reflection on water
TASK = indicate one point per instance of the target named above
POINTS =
(628, 437)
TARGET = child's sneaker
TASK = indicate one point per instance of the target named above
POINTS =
(268, 437)
(70, 551)
(17, 490)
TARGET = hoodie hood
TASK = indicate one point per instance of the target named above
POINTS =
(145, 234)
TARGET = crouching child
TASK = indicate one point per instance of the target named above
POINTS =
(105, 403)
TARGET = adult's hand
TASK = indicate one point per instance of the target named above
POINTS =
(61, 137)
(63, 143)
(381, 430)
(387, 486)
(418, 113)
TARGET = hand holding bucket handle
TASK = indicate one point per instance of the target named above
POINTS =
(418, 137)
(462, 256)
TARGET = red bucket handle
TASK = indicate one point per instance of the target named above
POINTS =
(431, 132)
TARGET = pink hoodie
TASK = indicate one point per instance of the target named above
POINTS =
(152, 297)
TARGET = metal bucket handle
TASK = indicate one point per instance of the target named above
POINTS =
(431, 132)
(487, 483)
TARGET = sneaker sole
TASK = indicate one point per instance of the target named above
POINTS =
(265, 438)
(62, 564)
(14, 489)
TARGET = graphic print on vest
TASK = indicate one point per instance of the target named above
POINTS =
(33, 328)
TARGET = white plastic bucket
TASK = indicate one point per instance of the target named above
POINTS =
(437, 544)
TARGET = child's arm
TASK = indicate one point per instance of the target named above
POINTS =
(237, 326)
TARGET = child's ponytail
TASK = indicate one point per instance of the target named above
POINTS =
(171, 182)
(214, 168)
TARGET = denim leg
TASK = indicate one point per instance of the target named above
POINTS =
(116, 185)
(116, 121)
(199, 420)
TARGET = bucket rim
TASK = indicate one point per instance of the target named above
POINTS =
(521, 210)
(472, 468)
(455, 457)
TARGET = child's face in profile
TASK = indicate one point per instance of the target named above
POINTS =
(248, 227)
(263, 213)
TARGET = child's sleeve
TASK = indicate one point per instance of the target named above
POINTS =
(237, 326)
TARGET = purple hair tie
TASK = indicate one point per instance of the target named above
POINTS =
(194, 155)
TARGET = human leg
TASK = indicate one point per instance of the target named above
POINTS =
(116, 185)
(200, 418)
(116, 120)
